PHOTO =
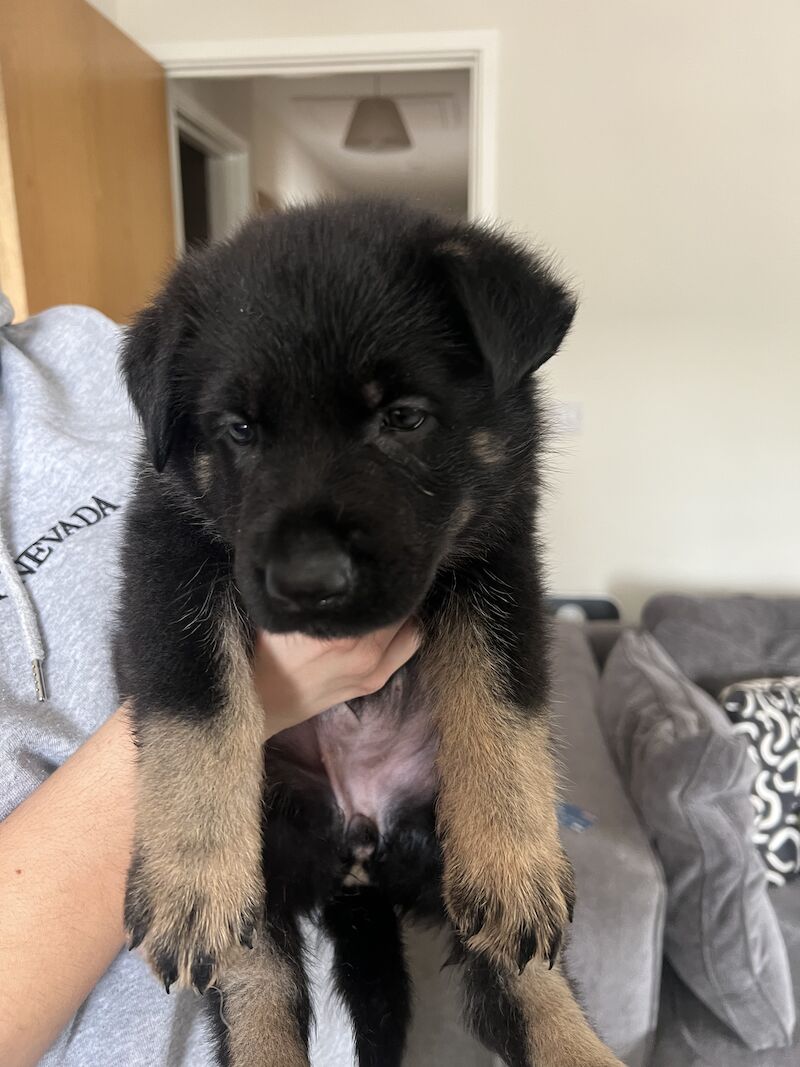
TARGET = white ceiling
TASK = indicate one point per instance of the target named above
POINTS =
(434, 106)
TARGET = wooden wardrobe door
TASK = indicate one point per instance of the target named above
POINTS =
(85, 196)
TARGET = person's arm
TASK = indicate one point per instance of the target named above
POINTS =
(64, 856)
(64, 852)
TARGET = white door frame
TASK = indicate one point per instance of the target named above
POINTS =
(230, 196)
(476, 51)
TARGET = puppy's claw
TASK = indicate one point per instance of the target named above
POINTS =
(555, 948)
(136, 938)
(202, 972)
(526, 949)
(167, 968)
(476, 922)
(456, 955)
(247, 936)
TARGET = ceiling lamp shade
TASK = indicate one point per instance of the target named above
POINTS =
(377, 126)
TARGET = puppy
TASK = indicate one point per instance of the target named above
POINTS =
(341, 431)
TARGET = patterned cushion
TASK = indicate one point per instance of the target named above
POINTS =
(766, 712)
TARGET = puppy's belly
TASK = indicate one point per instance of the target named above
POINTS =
(374, 753)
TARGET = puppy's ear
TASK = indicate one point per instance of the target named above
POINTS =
(147, 360)
(516, 308)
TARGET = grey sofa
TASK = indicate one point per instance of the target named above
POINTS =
(615, 948)
(706, 641)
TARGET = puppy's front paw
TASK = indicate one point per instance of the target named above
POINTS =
(510, 900)
(191, 924)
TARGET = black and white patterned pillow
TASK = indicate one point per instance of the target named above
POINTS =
(766, 712)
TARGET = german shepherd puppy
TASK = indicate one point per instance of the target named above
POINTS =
(342, 431)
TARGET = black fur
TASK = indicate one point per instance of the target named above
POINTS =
(370, 972)
(309, 326)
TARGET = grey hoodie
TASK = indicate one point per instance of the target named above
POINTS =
(67, 435)
(67, 438)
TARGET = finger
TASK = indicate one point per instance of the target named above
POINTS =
(368, 645)
(399, 650)
(362, 654)
(379, 640)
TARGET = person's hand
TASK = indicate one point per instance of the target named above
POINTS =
(298, 676)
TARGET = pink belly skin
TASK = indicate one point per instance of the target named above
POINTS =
(374, 757)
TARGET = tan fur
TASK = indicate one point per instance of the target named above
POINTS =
(497, 799)
(557, 1032)
(460, 518)
(202, 469)
(258, 1008)
(373, 393)
(458, 249)
(198, 834)
(486, 448)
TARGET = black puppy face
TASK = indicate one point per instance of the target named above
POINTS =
(342, 391)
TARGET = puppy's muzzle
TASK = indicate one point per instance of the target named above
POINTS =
(313, 571)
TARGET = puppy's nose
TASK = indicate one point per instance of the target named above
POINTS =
(308, 576)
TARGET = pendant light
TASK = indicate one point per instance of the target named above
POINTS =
(376, 125)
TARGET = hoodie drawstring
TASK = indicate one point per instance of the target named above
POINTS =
(26, 614)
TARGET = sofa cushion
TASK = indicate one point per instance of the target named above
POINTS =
(719, 640)
(689, 1035)
(765, 713)
(689, 775)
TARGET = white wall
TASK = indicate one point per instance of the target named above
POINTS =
(279, 164)
(283, 167)
(106, 7)
(655, 146)
(228, 99)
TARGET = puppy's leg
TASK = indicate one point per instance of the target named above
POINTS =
(263, 1003)
(507, 883)
(532, 1019)
(195, 887)
(371, 975)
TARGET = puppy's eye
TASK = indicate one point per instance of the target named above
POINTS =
(404, 418)
(242, 433)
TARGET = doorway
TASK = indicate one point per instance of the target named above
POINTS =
(210, 161)
(291, 103)
(194, 194)
(398, 134)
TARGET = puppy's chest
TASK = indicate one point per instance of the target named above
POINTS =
(375, 753)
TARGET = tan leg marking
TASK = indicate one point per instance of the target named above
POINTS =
(507, 883)
(197, 879)
(486, 448)
(557, 1032)
(259, 997)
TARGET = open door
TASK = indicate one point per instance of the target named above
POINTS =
(85, 196)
